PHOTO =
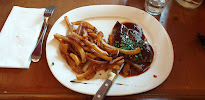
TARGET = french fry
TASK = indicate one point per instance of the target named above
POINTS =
(120, 62)
(71, 49)
(80, 51)
(82, 65)
(76, 40)
(95, 47)
(130, 52)
(94, 35)
(90, 66)
(85, 25)
(78, 36)
(83, 75)
(99, 67)
(127, 52)
(89, 30)
(116, 67)
(91, 55)
(110, 50)
(110, 39)
(58, 37)
(96, 61)
(75, 58)
(91, 75)
(70, 27)
(101, 33)
(107, 45)
(126, 69)
(73, 66)
(116, 59)
(63, 48)
(90, 69)
(91, 39)
(85, 34)
(99, 38)
(88, 49)
(134, 64)
(79, 29)
(102, 56)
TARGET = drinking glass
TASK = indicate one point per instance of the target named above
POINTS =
(155, 7)
(191, 4)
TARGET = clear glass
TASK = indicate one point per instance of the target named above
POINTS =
(155, 7)
(191, 4)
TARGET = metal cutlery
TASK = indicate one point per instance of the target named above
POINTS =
(36, 55)
(101, 93)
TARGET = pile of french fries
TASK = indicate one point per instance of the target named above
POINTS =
(86, 46)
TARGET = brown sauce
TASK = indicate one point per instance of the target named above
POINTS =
(129, 36)
(155, 76)
(72, 81)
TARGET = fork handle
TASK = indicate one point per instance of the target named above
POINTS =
(38, 49)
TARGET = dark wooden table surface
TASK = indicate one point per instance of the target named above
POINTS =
(187, 78)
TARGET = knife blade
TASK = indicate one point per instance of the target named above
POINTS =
(107, 84)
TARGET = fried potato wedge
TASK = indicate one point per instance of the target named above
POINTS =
(127, 52)
(95, 47)
(110, 39)
(99, 38)
(116, 59)
(97, 61)
(76, 40)
(90, 55)
(126, 69)
(75, 58)
(115, 67)
(83, 75)
(88, 49)
(120, 62)
(85, 25)
(88, 72)
(90, 76)
(102, 56)
(94, 35)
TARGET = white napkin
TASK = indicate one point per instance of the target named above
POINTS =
(19, 36)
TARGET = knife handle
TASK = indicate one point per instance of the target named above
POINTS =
(103, 90)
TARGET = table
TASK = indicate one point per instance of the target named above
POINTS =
(186, 80)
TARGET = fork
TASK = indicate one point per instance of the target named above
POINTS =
(36, 55)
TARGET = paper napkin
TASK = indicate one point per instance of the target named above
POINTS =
(19, 36)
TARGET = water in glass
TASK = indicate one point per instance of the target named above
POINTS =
(155, 7)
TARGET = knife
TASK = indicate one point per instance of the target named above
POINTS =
(106, 85)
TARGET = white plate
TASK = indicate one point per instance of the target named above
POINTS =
(103, 17)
